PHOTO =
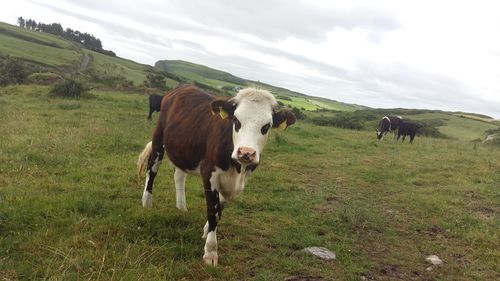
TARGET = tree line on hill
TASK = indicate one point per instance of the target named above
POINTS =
(88, 41)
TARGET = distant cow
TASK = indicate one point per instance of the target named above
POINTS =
(388, 123)
(154, 104)
(222, 139)
(407, 129)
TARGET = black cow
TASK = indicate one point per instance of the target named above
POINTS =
(407, 129)
(388, 123)
(154, 104)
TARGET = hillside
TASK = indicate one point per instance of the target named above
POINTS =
(225, 81)
(49, 53)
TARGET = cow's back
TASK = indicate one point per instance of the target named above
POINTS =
(395, 122)
(191, 133)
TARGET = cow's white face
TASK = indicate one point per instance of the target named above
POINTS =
(253, 117)
(252, 122)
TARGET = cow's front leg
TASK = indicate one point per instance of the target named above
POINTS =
(222, 203)
(213, 214)
(221, 207)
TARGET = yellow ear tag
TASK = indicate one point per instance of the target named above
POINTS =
(283, 125)
(223, 113)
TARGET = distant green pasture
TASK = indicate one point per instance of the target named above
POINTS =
(458, 127)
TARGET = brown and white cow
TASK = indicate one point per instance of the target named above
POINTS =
(221, 139)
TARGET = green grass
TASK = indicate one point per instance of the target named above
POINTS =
(458, 127)
(35, 52)
(70, 202)
(37, 47)
(114, 66)
(198, 72)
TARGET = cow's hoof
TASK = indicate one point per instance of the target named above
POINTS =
(147, 200)
(211, 258)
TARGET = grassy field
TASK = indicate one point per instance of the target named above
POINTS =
(458, 127)
(70, 202)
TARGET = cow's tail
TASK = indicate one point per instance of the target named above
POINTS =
(142, 161)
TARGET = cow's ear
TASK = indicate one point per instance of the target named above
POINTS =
(283, 119)
(223, 107)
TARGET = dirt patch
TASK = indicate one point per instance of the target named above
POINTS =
(435, 230)
(333, 200)
(460, 259)
(391, 270)
(329, 205)
(485, 212)
(304, 278)
(396, 272)
(471, 194)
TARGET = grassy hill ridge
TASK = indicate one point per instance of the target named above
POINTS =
(223, 80)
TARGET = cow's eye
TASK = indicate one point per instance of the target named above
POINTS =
(237, 124)
(265, 128)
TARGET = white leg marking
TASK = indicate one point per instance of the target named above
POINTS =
(147, 198)
(205, 231)
(210, 257)
(180, 194)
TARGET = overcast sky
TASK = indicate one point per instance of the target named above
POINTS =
(413, 54)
